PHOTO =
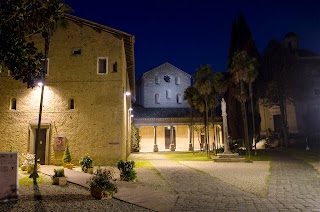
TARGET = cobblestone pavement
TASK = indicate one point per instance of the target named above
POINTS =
(294, 186)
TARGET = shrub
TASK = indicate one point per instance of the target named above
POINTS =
(220, 150)
(102, 179)
(58, 173)
(86, 162)
(126, 170)
(66, 155)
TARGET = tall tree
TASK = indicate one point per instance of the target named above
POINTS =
(203, 83)
(240, 39)
(243, 73)
(190, 95)
(19, 21)
(280, 63)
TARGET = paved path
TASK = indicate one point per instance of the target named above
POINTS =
(294, 186)
(134, 193)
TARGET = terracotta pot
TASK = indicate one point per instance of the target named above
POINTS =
(59, 180)
(69, 165)
(89, 170)
(98, 193)
(23, 168)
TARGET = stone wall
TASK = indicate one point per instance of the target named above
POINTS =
(98, 122)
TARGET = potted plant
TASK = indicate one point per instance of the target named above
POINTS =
(101, 185)
(67, 158)
(126, 170)
(59, 178)
(86, 164)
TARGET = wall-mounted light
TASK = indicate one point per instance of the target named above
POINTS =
(130, 109)
(40, 84)
(128, 93)
(131, 116)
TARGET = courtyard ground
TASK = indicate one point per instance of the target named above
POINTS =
(287, 183)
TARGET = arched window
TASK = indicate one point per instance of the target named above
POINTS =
(13, 104)
(71, 104)
(157, 98)
(168, 93)
(177, 80)
(157, 80)
(179, 98)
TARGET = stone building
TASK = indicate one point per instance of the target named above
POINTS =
(90, 69)
(304, 110)
(163, 116)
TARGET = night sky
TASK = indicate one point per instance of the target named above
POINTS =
(188, 33)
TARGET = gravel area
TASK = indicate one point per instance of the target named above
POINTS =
(250, 177)
(150, 178)
(48, 197)
(316, 165)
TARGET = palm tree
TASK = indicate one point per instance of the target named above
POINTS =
(242, 70)
(203, 83)
(252, 75)
(189, 95)
(53, 12)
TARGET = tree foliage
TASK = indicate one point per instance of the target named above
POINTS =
(278, 65)
(19, 21)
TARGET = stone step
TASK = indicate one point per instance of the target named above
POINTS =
(239, 159)
(231, 155)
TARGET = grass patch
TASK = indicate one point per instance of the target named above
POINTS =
(188, 156)
(259, 157)
(142, 164)
(26, 181)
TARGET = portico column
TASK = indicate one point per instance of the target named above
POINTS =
(155, 146)
(172, 146)
(190, 137)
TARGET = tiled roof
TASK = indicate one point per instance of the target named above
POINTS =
(141, 112)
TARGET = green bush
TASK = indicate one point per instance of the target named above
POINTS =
(66, 155)
(126, 170)
(220, 150)
(102, 179)
(86, 162)
(58, 173)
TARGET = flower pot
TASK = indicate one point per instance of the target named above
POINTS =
(98, 193)
(59, 180)
(89, 170)
(69, 165)
(23, 168)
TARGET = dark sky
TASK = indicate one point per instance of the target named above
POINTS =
(188, 33)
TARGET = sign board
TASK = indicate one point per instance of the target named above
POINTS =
(9, 176)
(59, 144)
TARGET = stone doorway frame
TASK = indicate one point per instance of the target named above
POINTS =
(33, 126)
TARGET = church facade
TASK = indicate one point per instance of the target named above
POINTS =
(163, 116)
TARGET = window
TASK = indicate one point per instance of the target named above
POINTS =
(76, 51)
(102, 65)
(43, 63)
(157, 99)
(177, 80)
(317, 91)
(10, 72)
(157, 80)
(13, 104)
(168, 93)
(179, 98)
(115, 67)
(71, 104)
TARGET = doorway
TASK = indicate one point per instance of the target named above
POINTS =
(41, 146)
(277, 123)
